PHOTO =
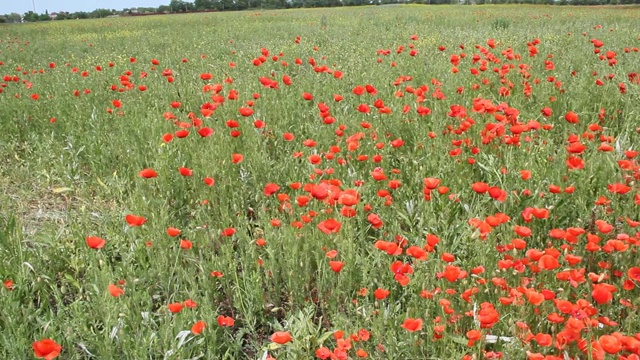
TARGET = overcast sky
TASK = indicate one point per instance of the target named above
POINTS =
(22, 6)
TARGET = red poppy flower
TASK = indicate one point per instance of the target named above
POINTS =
(9, 284)
(602, 293)
(185, 171)
(480, 187)
(381, 294)
(205, 132)
(391, 248)
(473, 336)
(363, 108)
(576, 148)
(245, 111)
(237, 158)
(209, 181)
(232, 123)
(228, 232)
(270, 189)
(197, 328)
(190, 304)
(453, 273)
(95, 242)
(522, 231)
(225, 321)
(309, 143)
(288, 136)
(331, 254)
(46, 349)
(634, 273)
(487, 315)
(281, 337)
(412, 325)
(417, 252)
(497, 193)
(575, 163)
(329, 226)
(134, 220)
(148, 174)
(115, 291)
(544, 340)
(610, 344)
(173, 232)
(548, 262)
(375, 221)
(324, 353)
(336, 266)
(431, 183)
(535, 298)
(181, 134)
(175, 307)
(571, 117)
(618, 188)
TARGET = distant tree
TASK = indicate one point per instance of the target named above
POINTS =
(203, 4)
(79, 15)
(100, 13)
(14, 17)
(223, 5)
(314, 3)
(228, 5)
(31, 17)
(217, 5)
(181, 6)
(273, 4)
(177, 6)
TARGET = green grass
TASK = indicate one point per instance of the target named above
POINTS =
(65, 180)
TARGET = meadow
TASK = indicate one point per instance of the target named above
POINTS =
(390, 182)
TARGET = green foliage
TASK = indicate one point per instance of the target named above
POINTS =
(181, 6)
(31, 16)
(501, 24)
(70, 165)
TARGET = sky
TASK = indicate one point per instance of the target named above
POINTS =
(22, 6)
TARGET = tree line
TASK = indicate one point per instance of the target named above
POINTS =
(181, 6)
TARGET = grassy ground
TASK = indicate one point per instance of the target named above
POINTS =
(357, 233)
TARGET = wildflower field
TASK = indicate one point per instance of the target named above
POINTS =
(391, 182)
